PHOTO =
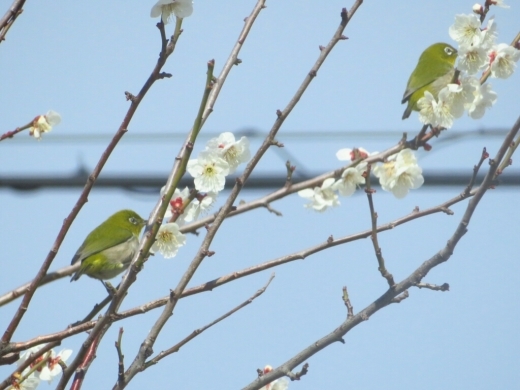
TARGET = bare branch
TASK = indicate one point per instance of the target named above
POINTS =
(9, 18)
(375, 242)
(395, 293)
(197, 332)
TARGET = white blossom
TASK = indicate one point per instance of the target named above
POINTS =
(503, 58)
(322, 197)
(471, 59)
(167, 8)
(399, 173)
(483, 97)
(53, 368)
(466, 30)
(488, 35)
(168, 240)
(44, 123)
(350, 179)
(436, 112)
(197, 207)
(209, 171)
(234, 152)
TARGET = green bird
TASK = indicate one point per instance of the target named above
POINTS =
(433, 72)
(108, 249)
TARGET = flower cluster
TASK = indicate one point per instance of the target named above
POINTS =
(221, 157)
(44, 123)
(323, 197)
(166, 9)
(398, 174)
(278, 384)
(44, 368)
(477, 51)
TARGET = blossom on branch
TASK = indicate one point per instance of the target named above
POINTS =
(168, 240)
(350, 179)
(234, 152)
(483, 97)
(399, 173)
(502, 58)
(322, 197)
(44, 123)
(53, 368)
(167, 8)
(196, 207)
(209, 171)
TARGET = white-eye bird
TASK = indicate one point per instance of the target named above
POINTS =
(108, 249)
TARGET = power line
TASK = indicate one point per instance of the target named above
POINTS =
(152, 183)
(143, 136)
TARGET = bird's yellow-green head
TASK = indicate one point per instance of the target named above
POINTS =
(434, 70)
(109, 248)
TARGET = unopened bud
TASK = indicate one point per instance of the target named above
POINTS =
(478, 9)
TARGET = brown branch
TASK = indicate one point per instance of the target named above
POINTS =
(12, 133)
(375, 242)
(102, 326)
(197, 332)
(391, 294)
(222, 280)
(88, 358)
(84, 195)
(9, 18)
(147, 345)
(476, 168)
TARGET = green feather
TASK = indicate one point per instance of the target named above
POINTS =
(109, 248)
(433, 72)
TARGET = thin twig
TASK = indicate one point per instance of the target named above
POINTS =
(120, 358)
(197, 332)
(146, 346)
(412, 280)
(476, 168)
(88, 357)
(12, 133)
(222, 280)
(348, 305)
(375, 242)
(400, 297)
(434, 287)
(102, 326)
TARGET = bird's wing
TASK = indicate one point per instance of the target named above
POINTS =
(429, 76)
(99, 242)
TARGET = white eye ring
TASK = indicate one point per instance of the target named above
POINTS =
(448, 51)
(132, 220)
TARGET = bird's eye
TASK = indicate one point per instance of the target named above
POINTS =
(448, 50)
(133, 220)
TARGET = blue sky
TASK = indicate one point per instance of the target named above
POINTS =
(78, 59)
